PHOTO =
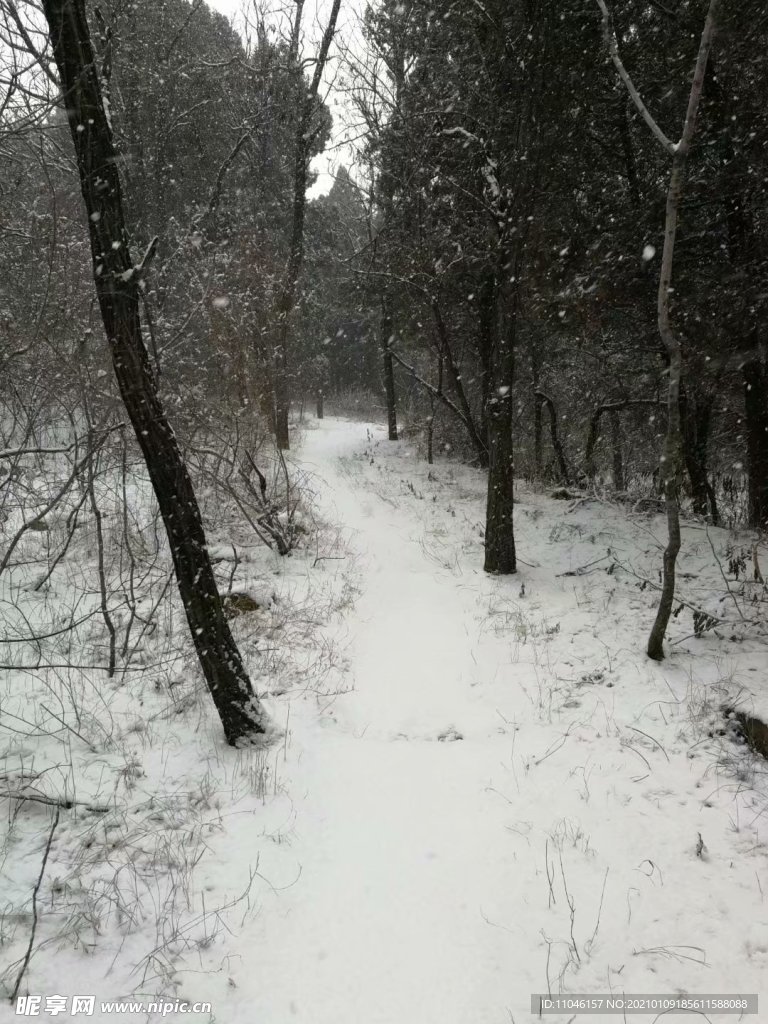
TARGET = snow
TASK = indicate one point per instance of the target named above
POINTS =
(422, 892)
(483, 788)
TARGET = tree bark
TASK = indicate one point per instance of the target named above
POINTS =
(117, 287)
(672, 445)
(696, 421)
(388, 370)
(287, 293)
(593, 434)
(557, 447)
(486, 316)
(618, 461)
(538, 421)
(755, 376)
(446, 355)
(671, 457)
(500, 555)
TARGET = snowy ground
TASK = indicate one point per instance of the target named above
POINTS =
(483, 790)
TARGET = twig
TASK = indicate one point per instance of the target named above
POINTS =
(588, 944)
(35, 891)
(725, 579)
(61, 804)
(571, 907)
(681, 600)
(582, 570)
(74, 732)
(554, 747)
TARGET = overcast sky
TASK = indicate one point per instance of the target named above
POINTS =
(315, 18)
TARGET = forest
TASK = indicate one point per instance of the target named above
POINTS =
(383, 510)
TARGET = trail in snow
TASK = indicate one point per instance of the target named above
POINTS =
(397, 833)
(469, 828)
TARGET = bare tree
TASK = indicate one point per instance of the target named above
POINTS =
(304, 139)
(671, 459)
(118, 284)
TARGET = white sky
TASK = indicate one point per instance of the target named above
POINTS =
(315, 19)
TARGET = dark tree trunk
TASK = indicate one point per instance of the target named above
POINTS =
(618, 461)
(538, 420)
(320, 405)
(696, 420)
(388, 370)
(755, 376)
(282, 395)
(301, 157)
(500, 556)
(487, 313)
(431, 418)
(557, 447)
(593, 434)
(457, 385)
(744, 250)
(117, 288)
(628, 150)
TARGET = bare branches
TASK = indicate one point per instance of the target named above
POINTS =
(613, 48)
(76, 470)
(34, 50)
(435, 392)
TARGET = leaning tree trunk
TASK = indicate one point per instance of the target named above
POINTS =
(117, 287)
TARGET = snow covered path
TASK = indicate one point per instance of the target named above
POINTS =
(398, 835)
(481, 817)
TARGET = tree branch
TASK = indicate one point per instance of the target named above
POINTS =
(613, 49)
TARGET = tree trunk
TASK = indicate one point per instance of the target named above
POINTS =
(500, 556)
(593, 434)
(755, 376)
(696, 420)
(557, 447)
(538, 420)
(670, 460)
(618, 461)
(320, 405)
(389, 370)
(117, 287)
(446, 356)
(487, 313)
(287, 295)
(672, 445)
(431, 417)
